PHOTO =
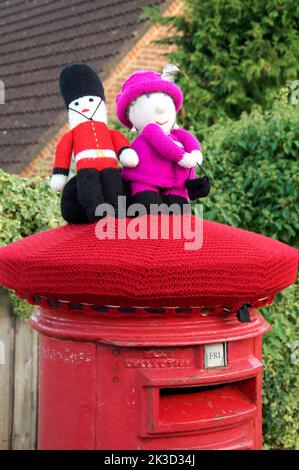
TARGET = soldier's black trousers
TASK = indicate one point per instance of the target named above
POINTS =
(88, 189)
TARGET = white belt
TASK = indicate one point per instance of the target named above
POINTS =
(95, 153)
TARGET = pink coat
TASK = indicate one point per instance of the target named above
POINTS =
(159, 156)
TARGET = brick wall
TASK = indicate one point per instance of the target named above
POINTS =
(143, 55)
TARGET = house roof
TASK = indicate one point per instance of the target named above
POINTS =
(39, 37)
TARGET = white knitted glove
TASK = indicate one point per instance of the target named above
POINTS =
(129, 158)
(57, 182)
(188, 160)
(198, 156)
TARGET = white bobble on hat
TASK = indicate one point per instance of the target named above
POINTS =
(133, 130)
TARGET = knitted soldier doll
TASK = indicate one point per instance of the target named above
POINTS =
(165, 172)
(94, 145)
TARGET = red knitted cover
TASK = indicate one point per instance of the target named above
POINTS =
(70, 263)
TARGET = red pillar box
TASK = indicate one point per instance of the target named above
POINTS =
(173, 381)
(147, 344)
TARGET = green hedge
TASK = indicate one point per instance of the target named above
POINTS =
(281, 373)
(27, 206)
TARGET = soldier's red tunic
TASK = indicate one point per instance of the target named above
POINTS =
(94, 146)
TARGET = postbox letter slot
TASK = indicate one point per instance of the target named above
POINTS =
(192, 408)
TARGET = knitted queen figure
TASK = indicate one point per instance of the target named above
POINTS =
(167, 156)
(94, 146)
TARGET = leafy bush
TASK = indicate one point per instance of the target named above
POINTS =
(281, 374)
(27, 206)
(233, 54)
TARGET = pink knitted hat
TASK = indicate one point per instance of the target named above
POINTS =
(141, 82)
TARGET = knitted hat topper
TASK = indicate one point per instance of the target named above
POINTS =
(232, 268)
(78, 80)
(147, 81)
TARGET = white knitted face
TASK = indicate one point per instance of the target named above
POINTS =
(82, 109)
(156, 108)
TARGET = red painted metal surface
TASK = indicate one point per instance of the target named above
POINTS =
(130, 383)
